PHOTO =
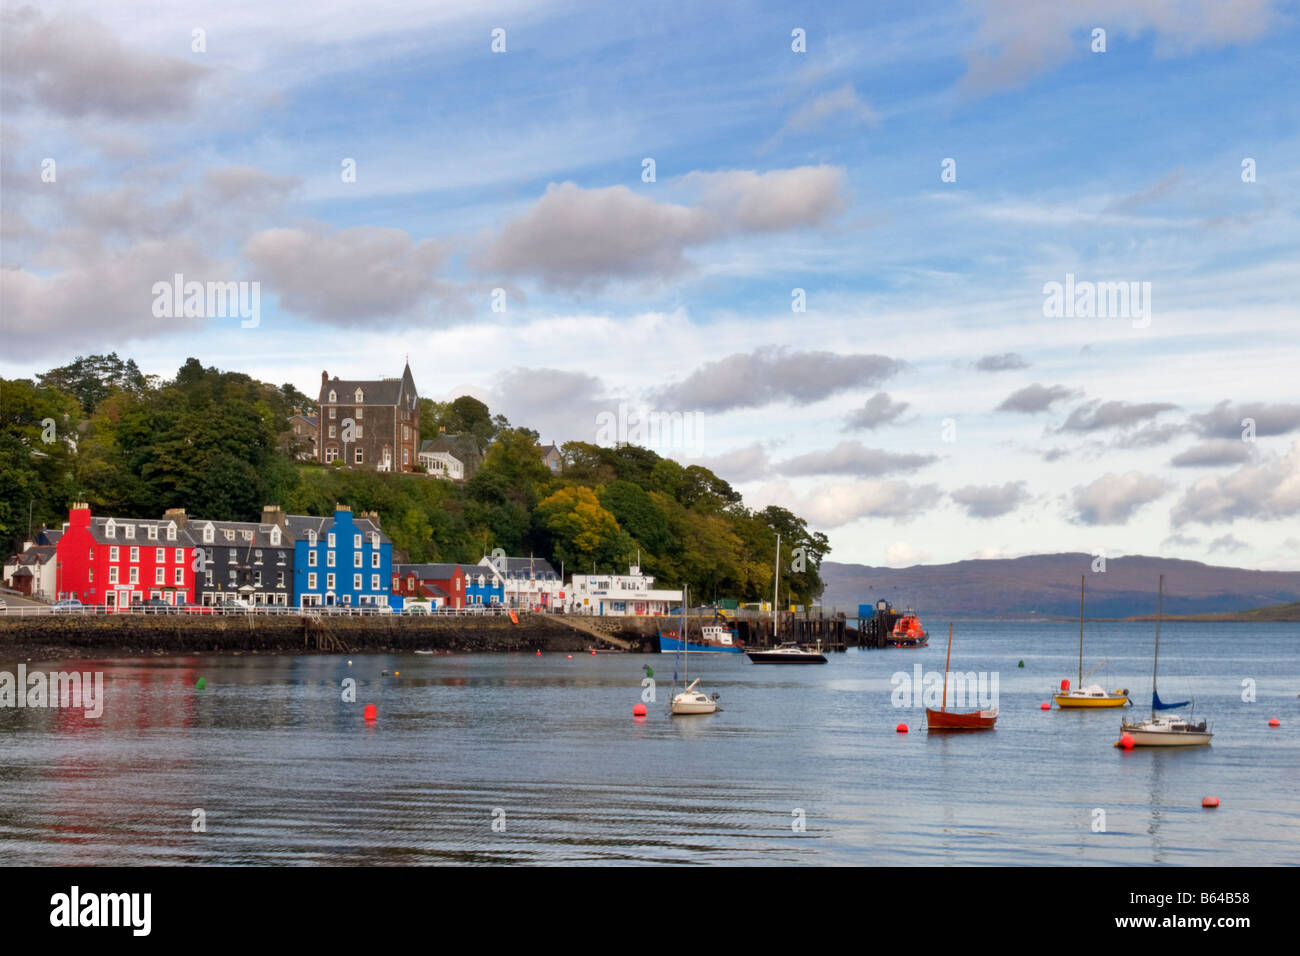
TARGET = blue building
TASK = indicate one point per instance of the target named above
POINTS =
(341, 561)
(484, 585)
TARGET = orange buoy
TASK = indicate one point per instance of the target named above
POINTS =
(1044, 706)
(1127, 742)
(539, 653)
(901, 728)
(570, 657)
(593, 652)
(1275, 722)
(371, 712)
(1210, 802)
(638, 710)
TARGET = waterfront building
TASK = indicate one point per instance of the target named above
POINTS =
(120, 561)
(340, 561)
(250, 560)
(32, 571)
(425, 582)
(528, 582)
(369, 424)
(484, 584)
(619, 595)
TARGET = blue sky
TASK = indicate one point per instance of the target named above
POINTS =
(775, 170)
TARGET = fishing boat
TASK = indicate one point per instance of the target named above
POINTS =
(944, 719)
(1093, 695)
(1161, 731)
(714, 639)
(691, 700)
(787, 652)
(908, 632)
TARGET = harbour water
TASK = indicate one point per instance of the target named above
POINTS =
(523, 759)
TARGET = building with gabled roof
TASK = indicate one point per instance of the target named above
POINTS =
(369, 424)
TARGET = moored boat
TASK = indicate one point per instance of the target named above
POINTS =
(908, 631)
(944, 719)
(787, 653)
(1094, 695)
(714, 638)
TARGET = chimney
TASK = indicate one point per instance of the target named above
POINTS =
(324, 377)
(79, 515)
(271, 514)
(339, 507)
(442, 429)
(178, 515)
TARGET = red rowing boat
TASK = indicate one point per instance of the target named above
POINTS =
(943, 719)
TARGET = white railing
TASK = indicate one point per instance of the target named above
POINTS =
(100, 610)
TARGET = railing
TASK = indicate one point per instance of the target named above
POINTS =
(100, 610)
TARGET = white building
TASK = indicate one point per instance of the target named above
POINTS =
(438, 461)
(33, 572)
(619, 595)
(528, 582)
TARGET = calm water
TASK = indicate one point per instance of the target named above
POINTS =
(288, 773)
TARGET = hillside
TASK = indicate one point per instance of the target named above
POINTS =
(1047, 586)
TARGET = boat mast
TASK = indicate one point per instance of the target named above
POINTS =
(1082, 578)
(776, 583)
(946, 661)
(686, 638)
(1155, 663)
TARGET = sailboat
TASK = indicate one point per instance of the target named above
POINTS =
(944, 719)
(1164, 731)
(690, 700)
(785, 652)
(1092, 695)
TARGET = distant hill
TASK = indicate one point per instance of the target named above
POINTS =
(1047, 586)
(1275, 612)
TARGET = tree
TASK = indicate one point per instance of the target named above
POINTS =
(90, 378)
(582, 533)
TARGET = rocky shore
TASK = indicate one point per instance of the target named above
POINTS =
(45, 637)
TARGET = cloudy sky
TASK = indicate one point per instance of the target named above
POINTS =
(812, 246)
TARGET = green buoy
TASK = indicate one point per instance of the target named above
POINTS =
(649, 672)
(1021, 664)
(200, 684)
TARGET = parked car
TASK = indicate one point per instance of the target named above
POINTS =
(152, 606)
(69, 606)
(3, 605)
(416, 608)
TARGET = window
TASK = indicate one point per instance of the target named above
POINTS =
(279, 579)
(180, 555)
(180, 577)
(135, 555)
(234, 554)
(333, 412)
(257, 579)
(130, 531)
(374, 582)
(248, 536)
(230, 534)
(374, 539)
(110, 529)
(356, 582)
(257, 556)
(311, 559)
(134, 576)
(406, 433)
(359, 411)
(171, 532)
(374, 559)
(112, 574)
(329, 558)
(279, 557)
(158, 577)
(359, 456)
(311, 581)
(208, 534)
(358, 433)
(207, 579)
(334, 397)
(112, 553)
(330, 539)
(208, 555)
(275, 538)
(360, 396)
(90, 575)
(160, 556)
(329, 581)
(406, 456)
(356, 541)
(153, 532)
(356, 559)
(311, 538)
(234, 577)
(332, 431)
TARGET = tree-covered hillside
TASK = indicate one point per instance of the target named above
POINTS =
(215, 443)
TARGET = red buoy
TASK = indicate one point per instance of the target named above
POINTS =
(371, 712)
(593, 652)
(1210, 802)
(1065, 687)
(901, 728)
(638, 710)
(1127, 742)
(1275, 722)
(570, 657)
(539, 653)
(1044, 706)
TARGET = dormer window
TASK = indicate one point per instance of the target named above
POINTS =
(361, 396)
(275, 536)
(130, 531)
(208, 534)
(171, 532)
(230, 535)
(334, 396)
(311, 538)
(110, 529)
(374, 539)
(153, 532)
(248, 536)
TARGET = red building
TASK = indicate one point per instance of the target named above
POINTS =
(119, 561)
(418, 582)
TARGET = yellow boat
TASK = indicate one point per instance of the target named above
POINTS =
(1092, 695)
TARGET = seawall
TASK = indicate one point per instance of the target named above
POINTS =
(138, 635)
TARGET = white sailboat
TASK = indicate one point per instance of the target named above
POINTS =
(691, 700)
(1164, 731)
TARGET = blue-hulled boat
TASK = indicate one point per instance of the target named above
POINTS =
(715, 639)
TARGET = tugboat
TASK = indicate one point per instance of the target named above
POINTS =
(908, 631)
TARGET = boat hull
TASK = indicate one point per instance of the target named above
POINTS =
(767, 657)
(670, 643)
(951, 720)
(691, 707)
(1166, 738)
(1066, 701)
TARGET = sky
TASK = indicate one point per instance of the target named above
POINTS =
(824, 249)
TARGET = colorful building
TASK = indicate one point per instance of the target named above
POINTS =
(340, 561)
(116, 562)
(484, 585)
(249, 560)
(619, 595)
(527, 582)
(430, 582)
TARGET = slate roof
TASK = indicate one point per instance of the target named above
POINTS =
(388, 391)
(142, 539)
(299, 525)
(251, 534)
(516, 566)
(427, 572)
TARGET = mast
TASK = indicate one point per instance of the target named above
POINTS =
(946, 661)
(1155, 663)
(1082, 578)
(686, 639)
(776, 584)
